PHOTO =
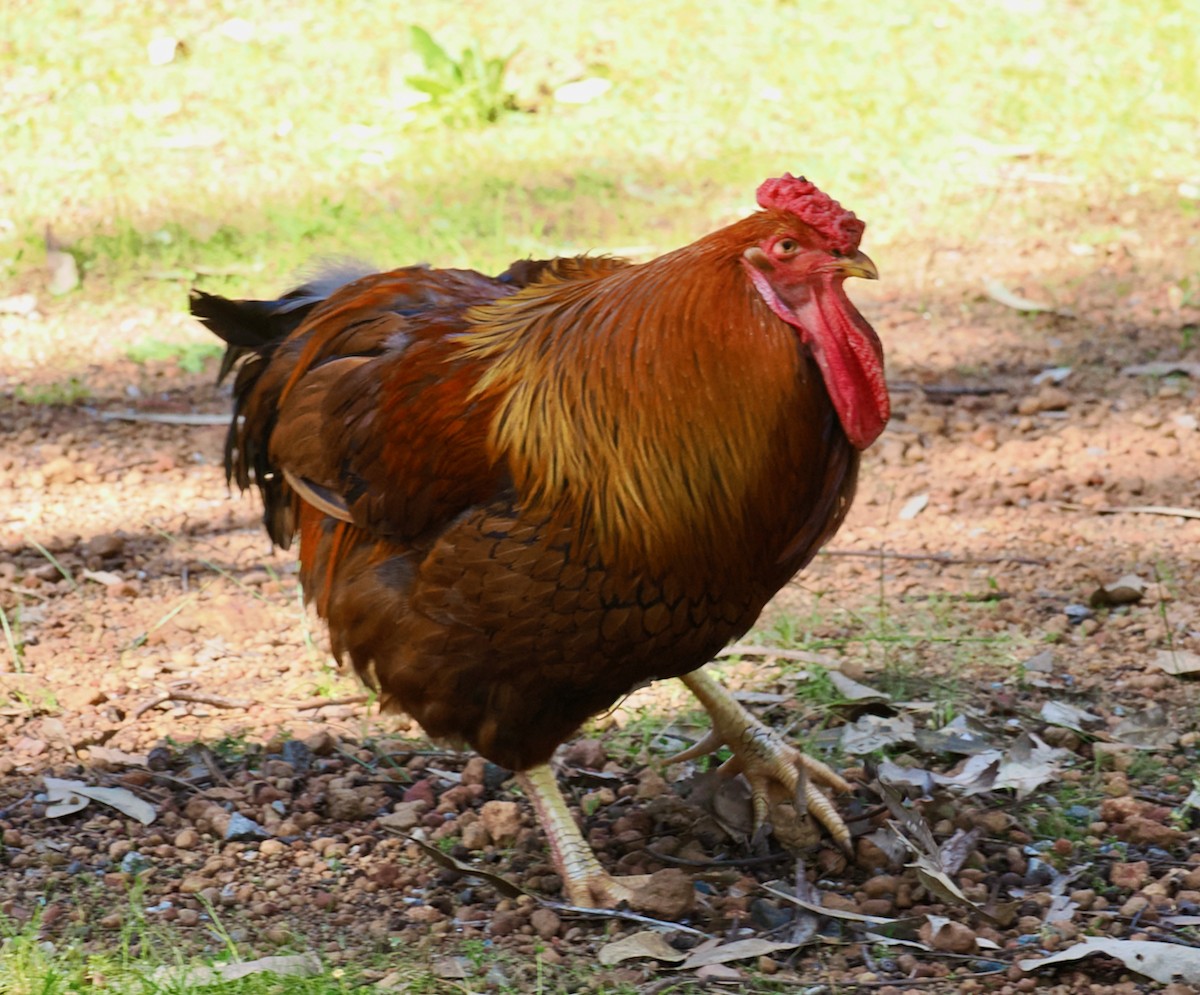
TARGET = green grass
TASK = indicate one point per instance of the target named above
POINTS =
(57, 393)
(190, 357)
(246, 156)
(139, 960)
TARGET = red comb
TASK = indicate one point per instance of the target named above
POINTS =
(817, 210)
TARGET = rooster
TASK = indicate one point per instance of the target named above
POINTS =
(519, 497)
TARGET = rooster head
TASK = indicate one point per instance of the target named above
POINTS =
(798, 266)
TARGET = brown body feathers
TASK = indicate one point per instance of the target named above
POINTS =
(518, 498)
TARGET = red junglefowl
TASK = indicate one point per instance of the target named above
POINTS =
(520, 497)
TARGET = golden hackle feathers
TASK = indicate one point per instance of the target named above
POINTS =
(639, 402)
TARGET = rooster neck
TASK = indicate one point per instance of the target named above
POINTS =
(667, 413)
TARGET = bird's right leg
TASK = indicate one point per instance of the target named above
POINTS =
(585, 882)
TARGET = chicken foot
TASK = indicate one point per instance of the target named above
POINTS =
(765, 758)
(585, 882)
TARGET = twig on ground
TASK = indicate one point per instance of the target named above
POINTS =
(15, 805)
(194, 697)
(315, 703)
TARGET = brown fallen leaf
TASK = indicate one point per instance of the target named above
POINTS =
(1126, 590)
(647, 943)
(1178, 663)
(737, 950)
(1162, 962)
(66, 797)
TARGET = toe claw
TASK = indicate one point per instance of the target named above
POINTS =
(709, 744)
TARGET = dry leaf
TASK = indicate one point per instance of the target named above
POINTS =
(737, 950)
(201, 975)
(501, 884)
(1162, 962)
(961, 735)
(647, 943)
(910, 781)
(1178, 663)
(874, 732)
(719, 972)
(851, 690)
(1030, 763)
(878, 924)
(940, 883)
(1149, 729)
(1126, 590)
(64, 797)
(1059, 713)
(451, 968)
(954, 852)
(118, 758)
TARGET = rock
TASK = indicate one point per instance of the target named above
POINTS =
(241, 828)
(545, 923)
(405, 816)
(475, 836)
(297, 753)
(669, 894)
(347, 804)
(881, 886)
(505, 923)
(60, 470)
(650, 785)
(194, 883)
(320, 744)
(102, 546)
(502, 820)
(952, 937)
(475, 771)
(188, 917)
(1129, 875)
(589, 753)
(421, 791)
(186, 839)
(494, 776)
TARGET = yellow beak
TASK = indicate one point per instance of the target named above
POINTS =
(859, 264)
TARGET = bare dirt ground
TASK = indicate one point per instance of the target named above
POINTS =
(163, 649)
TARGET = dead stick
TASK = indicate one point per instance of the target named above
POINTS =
(194, 697)
(314, 703)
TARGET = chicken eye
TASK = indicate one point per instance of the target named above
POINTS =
(786, 247)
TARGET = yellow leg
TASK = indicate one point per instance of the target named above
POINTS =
(766, 760)
(585, 882)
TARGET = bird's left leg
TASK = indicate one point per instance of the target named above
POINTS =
(766, 759)
(585, 882)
